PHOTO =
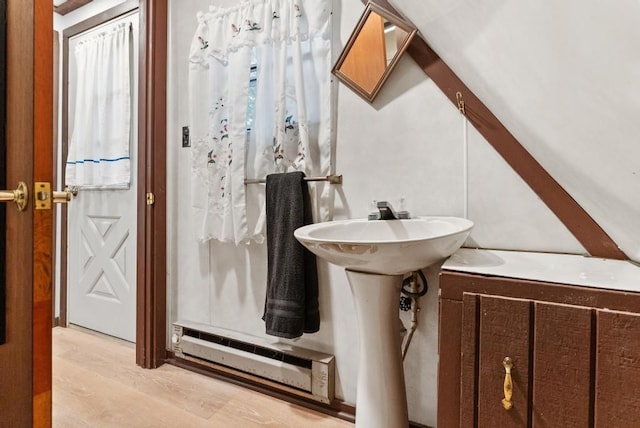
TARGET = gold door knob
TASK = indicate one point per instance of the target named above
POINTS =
(508, 383)
(19, 196)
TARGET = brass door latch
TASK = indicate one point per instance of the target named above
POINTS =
(44, 197)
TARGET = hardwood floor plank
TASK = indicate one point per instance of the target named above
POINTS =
(96, 383)
(116, 361)
(95, 400)
(257, 410)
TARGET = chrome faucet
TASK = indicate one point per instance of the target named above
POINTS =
(386, 212)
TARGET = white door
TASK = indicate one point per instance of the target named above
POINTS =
(101, 267)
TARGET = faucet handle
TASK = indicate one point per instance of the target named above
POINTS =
(403, 213)
(373, 211)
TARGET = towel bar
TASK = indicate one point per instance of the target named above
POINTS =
(332, 179)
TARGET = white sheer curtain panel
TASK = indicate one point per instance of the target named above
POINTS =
(260, 102)
(101, 128)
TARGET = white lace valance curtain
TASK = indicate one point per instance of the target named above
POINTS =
(259, 90)
(100, 140)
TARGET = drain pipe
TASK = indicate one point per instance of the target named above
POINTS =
(413, 292)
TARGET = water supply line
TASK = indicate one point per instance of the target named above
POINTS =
(413, 291)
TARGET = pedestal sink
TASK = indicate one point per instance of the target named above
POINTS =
(376, 254)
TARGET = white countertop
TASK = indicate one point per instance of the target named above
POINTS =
(557, 268)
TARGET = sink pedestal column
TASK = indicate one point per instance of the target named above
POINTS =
(381, 395)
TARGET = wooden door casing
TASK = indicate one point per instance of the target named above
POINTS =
(151, 322)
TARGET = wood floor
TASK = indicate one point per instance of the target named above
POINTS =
(96, 383)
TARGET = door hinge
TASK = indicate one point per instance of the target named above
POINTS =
(151, 199)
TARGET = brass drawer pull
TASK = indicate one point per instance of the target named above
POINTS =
(508, 383)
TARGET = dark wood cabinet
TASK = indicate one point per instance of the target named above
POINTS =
(575, 353)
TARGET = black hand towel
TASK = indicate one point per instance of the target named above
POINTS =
(291, 304)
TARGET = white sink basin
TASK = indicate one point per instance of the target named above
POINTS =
(387, 247)
(375, 254)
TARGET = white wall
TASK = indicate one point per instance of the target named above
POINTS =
(561, 76)
(408, 144)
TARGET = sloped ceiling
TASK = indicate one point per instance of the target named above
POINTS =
(563, 77)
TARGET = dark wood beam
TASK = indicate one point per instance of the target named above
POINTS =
(70, 6)
(592, 237)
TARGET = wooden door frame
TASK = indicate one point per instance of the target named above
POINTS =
(151, 329)
(151, 221)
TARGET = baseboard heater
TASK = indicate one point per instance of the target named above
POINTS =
(295, 370)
